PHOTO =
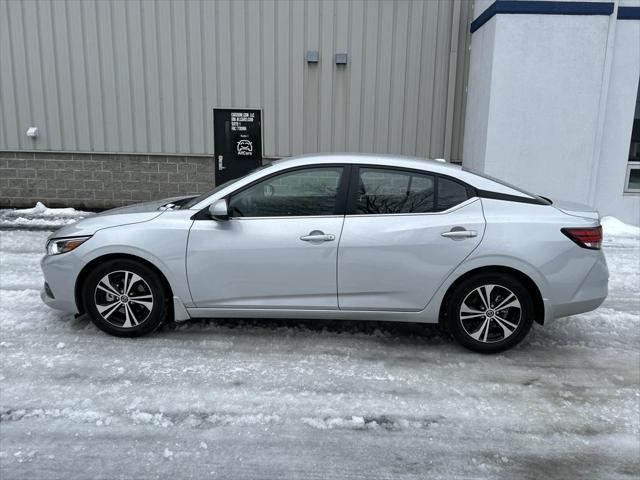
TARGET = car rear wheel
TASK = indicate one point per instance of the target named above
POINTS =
(125, 298)
(489, 313)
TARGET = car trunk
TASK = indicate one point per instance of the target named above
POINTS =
(576, 209)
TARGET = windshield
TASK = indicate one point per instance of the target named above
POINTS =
(507, 184)
(199, 198)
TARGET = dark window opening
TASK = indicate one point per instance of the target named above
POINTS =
(311, 191)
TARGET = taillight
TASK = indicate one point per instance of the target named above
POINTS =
(585, 237)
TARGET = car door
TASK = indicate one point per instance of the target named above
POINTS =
(279, 247)
(405, 231)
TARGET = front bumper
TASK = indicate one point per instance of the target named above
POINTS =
(60, 274)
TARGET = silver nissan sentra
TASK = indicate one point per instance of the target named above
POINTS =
(341, 236)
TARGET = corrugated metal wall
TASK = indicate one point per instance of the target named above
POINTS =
(144, 76)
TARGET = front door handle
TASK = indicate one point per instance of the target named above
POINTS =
(318, 236)
(458, 234)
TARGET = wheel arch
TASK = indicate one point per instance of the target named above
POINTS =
(527, 281)
(82, 276)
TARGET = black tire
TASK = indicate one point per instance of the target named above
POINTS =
(135, 318)
(493, 337)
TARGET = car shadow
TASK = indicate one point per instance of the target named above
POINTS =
(365, 327)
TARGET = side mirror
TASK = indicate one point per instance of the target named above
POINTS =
(218, 210)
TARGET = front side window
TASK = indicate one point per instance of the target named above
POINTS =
(311, 191)
(394, 191)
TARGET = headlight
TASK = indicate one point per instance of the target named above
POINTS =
(64, 245)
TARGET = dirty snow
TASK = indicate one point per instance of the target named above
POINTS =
(285, 399)
(40, 217)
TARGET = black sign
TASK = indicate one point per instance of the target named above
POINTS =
(237, 136)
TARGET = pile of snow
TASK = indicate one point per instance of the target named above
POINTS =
(40, 217)
(618, 233)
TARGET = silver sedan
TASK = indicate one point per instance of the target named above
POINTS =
(343, 236)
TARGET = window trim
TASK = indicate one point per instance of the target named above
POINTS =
(352, 200)
(631, 165)
(341, 194)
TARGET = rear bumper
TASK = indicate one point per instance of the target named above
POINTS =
(590, 293)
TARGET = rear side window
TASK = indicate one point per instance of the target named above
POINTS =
(450, 193)
(382, 191)
(394, 191)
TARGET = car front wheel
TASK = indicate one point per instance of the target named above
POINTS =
(489, 313)
(125, 298)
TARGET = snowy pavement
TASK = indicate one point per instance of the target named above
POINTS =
(269, 399)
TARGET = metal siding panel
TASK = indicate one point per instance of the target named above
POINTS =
(108, 75)
(9, 114)
(196, 93)
(237, 49)
(181, 82)
(283, 69)
(22, 85)
(386, 35)
(31, 39)
(412, 82)
(93, 81)
(398, 76)
(223, 43)
(427, 78)
(48, 65)
(451, 79)
(462, 75)
(137, 77)
(370, 55)
(296, 60)
(327, 70)
(311, 77)
(253, 57)
(152, 92)
(269, 97)
(341, 77)
(354, 94)
(126, 127)
(65, 80)
(211, 84)
(78, 120)
(164, 34)
(441, 69)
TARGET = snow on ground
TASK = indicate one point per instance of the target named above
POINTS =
(40, 217)
(285, 399)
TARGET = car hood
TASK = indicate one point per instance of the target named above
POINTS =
(136, 213)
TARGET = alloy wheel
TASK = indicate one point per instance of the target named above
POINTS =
(123, 299)
(490, 313)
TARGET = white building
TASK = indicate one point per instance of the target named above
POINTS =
(553, 100)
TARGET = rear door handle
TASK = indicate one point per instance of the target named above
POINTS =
(459, 234)
(318, 236)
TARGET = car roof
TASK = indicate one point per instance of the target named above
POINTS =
(370, 159)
